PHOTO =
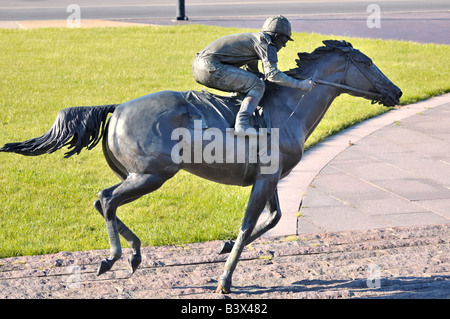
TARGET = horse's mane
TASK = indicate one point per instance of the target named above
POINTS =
(305, 59)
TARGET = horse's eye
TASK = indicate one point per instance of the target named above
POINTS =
(368, 63)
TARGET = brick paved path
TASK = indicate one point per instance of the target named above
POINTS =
(402, 262)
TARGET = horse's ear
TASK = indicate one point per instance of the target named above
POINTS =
(347, 44)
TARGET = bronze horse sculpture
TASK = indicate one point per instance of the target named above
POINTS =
(138, 141)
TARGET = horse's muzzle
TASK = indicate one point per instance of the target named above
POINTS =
(390, 99)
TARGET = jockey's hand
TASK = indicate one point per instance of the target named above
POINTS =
(307, 85)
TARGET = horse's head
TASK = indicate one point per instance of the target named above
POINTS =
(357, 71)
(363, 74)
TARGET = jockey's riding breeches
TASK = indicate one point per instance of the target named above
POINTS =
(228, 78)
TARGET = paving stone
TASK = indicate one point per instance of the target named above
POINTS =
(415, 189)
(391, 204)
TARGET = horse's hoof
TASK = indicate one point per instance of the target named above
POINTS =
(226, 247)
(134, 260)
(105, 265)
(223, 288)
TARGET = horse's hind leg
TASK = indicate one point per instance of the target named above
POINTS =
(133, 241)
(124, 231)
(133, 187)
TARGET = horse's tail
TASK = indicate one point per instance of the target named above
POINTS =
(85, 125)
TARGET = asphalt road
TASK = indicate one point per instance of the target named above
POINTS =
(19, 10)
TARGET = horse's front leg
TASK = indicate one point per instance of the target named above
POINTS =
(274, 216)
(262, 190)
(273, 206)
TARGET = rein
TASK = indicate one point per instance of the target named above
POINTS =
(376, 96)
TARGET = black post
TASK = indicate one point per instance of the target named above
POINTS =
(181, 14)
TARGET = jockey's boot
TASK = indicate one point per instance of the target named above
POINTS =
(248, 106)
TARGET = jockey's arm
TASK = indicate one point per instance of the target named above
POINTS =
(269, 59)
(276, 76)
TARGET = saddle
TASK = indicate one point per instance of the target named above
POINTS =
(218, 111)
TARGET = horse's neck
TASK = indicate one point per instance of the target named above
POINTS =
(303, 111)
(317, 104)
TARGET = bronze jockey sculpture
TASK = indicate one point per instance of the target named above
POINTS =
(219, 65)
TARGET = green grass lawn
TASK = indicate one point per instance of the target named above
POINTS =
(46, 201)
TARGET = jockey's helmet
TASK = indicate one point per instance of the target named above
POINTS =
(278, 24)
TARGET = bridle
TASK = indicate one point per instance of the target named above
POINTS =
(376, 97)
